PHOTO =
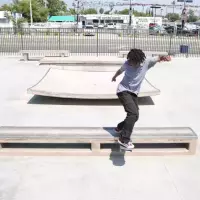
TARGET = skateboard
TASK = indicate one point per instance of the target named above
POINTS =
(122, 149)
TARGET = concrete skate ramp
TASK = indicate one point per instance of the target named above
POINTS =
(95, 141)
(83, 85)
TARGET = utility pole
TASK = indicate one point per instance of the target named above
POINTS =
(130, 14)
(161, 10)
(45, 3)
(76, 7)
(31, 13)
(173, 3)
(184, 3)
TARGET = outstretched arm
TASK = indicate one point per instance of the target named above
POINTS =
(119, 71)
(157, 59)
(117, 74)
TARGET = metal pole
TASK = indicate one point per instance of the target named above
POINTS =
(78, 12)
(130, 14)
(31, 13)
(45, 4)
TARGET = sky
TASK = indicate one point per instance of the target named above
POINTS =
(69, 3)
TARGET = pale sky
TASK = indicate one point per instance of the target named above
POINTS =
(69, 3)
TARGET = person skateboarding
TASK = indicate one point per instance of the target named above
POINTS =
(135, 68)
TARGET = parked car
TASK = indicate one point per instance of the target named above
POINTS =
(89, 30)
(101, 26)
(186, 31)
(157, 30)
(178, 30)
(111, 26)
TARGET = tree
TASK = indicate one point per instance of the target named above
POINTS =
(17, 23)
(135, 13)
(124, 12)
(56, 7)
(89, 11)
(72, 11)
(6, 7)
(191, 16)
(101, 10)
(40, 13)
(173, 17)
(107, 12)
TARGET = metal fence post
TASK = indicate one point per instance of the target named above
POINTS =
(97, 42)
(134, 37)
(21, 36)
(59, 38)
(170, 44)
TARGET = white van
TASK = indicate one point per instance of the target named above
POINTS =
(111, 26)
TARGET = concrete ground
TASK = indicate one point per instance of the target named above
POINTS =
(74, 178)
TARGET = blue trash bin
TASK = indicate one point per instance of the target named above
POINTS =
(184, 49)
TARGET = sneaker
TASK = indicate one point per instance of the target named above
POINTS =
(126, 146)
(117, 130)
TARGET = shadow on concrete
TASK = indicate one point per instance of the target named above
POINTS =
(118, 159)
(116, 156)
(30, 59)
(83, 102)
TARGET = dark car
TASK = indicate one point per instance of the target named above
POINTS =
(179, 31)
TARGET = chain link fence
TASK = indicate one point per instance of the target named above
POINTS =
(96, 41)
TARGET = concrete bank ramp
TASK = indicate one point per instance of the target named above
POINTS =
(95, 141)
(83, 85)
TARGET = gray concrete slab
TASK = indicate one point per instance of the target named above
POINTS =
(61, 177)
(185, 176)
(167, 109)
(86, 178)
(111, 177)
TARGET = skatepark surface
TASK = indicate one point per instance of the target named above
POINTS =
(74, 178)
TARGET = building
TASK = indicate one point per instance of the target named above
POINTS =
(143, 22)
(70, 18)
(103, 20)
(5, 20)
(120, 20)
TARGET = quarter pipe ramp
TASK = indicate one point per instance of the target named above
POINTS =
(83, 85)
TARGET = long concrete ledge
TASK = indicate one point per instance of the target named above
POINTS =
(82, 60)
(26, 53)
(83, 85)
(183, 140)
(123, 54)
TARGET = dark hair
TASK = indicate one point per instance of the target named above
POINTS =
(136, 56)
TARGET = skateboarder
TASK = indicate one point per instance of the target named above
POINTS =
(135, 69)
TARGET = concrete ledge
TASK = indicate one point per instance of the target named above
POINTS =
(26, 53)
(94, 85)
(83, 61)
(123, 54)
(96, 139)
(90, 68)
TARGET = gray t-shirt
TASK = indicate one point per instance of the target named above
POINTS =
(134, 76)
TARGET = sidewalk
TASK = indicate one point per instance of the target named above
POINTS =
(83, 178)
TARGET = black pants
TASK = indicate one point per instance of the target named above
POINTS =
(130, 102)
